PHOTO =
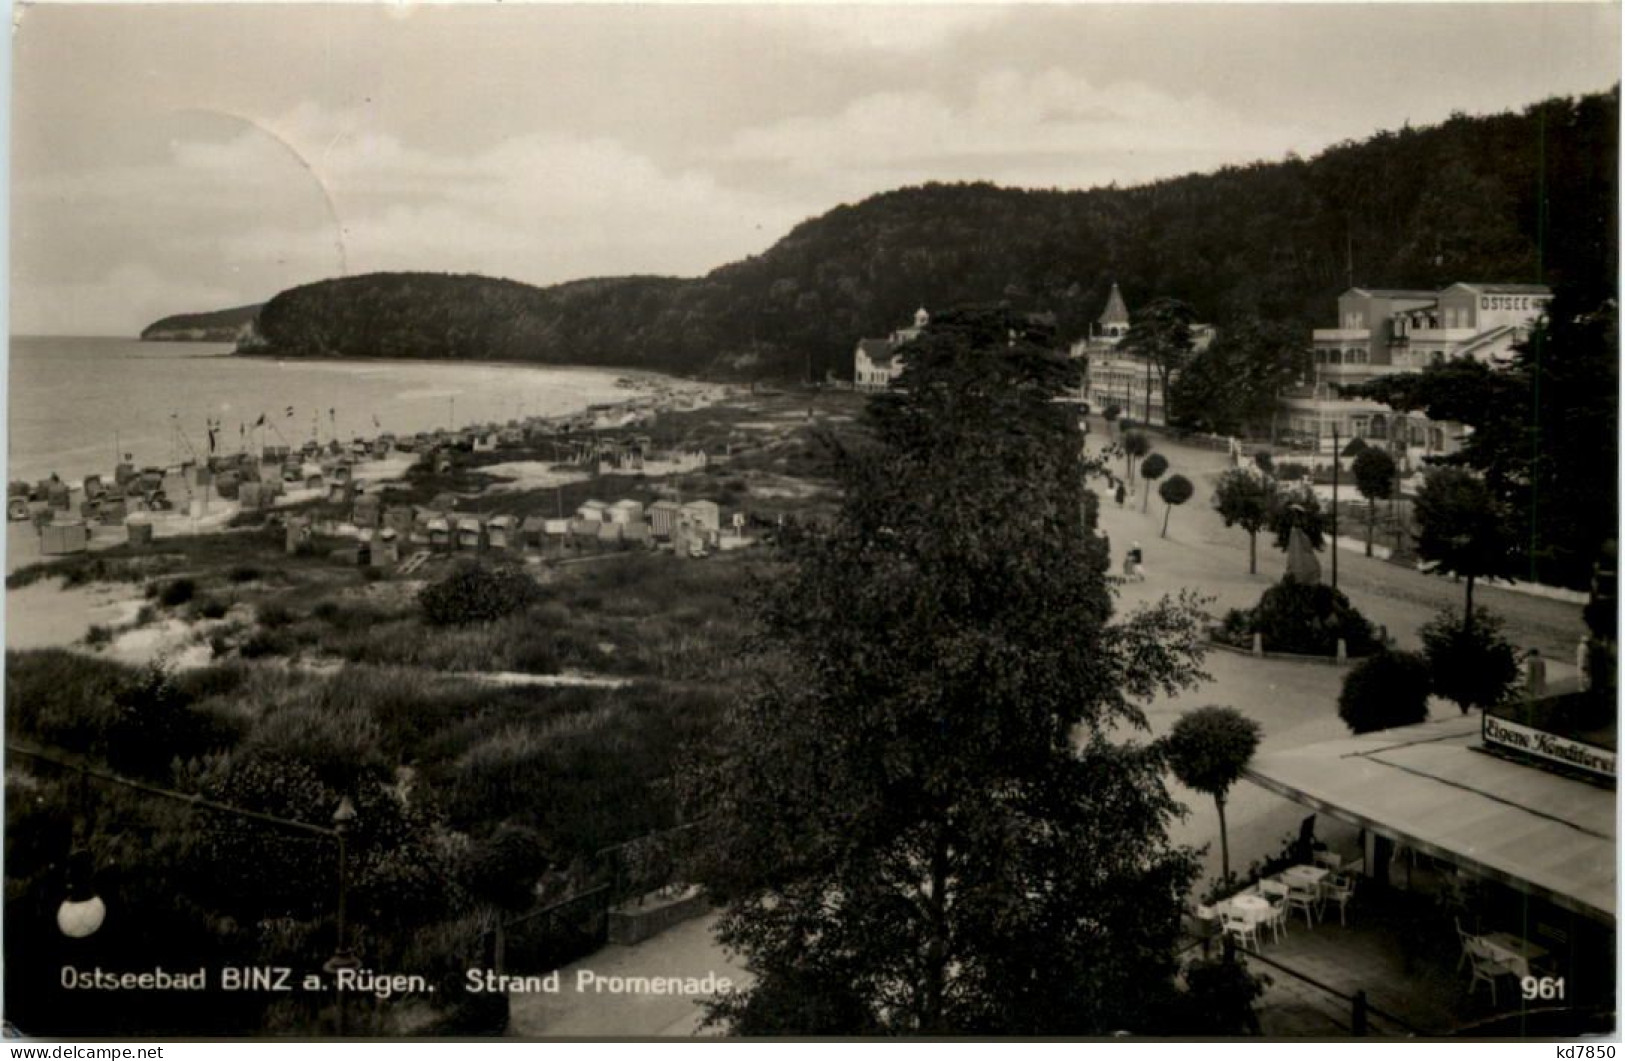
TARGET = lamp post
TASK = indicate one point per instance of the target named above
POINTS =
(83, 912)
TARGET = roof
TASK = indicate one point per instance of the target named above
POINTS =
(875, 349)
(1506, 289)
(1116, 312)
(1430, 786)
(1391, 292)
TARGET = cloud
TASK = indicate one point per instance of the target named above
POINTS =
(1039, 128)
(900, 29)
(313, 194)
(107, 303)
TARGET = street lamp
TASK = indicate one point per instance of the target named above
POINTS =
(83, 911)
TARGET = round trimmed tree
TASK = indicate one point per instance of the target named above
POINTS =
(1389, 689)
(1135, 446)
(1152, 469)
(1207, 749)
(1176, 491)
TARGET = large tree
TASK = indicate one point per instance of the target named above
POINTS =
(1243, 500)
(1162, 335)
(1463, 530)
(1233, 386)
(934, 812)
(1374, 477)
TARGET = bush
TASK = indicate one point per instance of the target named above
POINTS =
(213, 609)
(1307, 620)
(1389, 689)
(1219, 998)
(244, 573)
(1473, 668)
(477, 593)
(98, 635)
(177, 592)
(1291, 471)
(273, 615)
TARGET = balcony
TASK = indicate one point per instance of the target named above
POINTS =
(1342, 335)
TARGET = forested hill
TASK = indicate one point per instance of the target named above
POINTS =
(1530, 196)
(220, 326)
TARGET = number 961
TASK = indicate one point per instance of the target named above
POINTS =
(1545, 987)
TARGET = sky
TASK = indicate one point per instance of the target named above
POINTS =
(174, 158)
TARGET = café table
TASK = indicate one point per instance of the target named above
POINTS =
(1305, 877)
(1251, 907)
(1512, 951)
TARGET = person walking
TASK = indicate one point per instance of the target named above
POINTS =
(1121, 494)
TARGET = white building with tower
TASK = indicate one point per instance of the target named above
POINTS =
(876, 362)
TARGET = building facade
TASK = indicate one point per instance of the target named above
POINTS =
(1117, 377)
(875, 362)
(1382, 332)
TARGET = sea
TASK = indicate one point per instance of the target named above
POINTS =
(76, 406)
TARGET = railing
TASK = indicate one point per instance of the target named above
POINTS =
(1360, 1008)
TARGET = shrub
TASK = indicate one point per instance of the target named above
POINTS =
(99, 635)
(1304, 619)
(244, 573)
(213, 609)
(1219, 998)
(273, 615)
(1389, 689)
(176, 592)
(475, 593)
(1473, 666)
(1291, 471)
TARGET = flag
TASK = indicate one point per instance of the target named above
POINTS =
(261, 421)
(290, 410)
(375, 422)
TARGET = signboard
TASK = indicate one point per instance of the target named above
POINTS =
(1513, 302)
(1518, 737)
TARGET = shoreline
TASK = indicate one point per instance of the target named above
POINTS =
(231, 388)
(649, 392)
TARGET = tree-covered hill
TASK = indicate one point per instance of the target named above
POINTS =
(1528, 196)
(220, 326)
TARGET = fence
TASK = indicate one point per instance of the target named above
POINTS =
(542, 940)
(555, 935)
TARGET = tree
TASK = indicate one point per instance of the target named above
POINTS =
(1374, 473)
(1545, 429)
(1208, 748)
(1462, 530)
(1151, 469)
(928, 814)
(1232, 386)
(1135, 446)
(1296, 506)
(1243, 500)
(1162, 335)
(1472, 663)
(1111, 413)
(1176, 491)
(1389, 689)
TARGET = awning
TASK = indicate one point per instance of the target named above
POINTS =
(1431, 786)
